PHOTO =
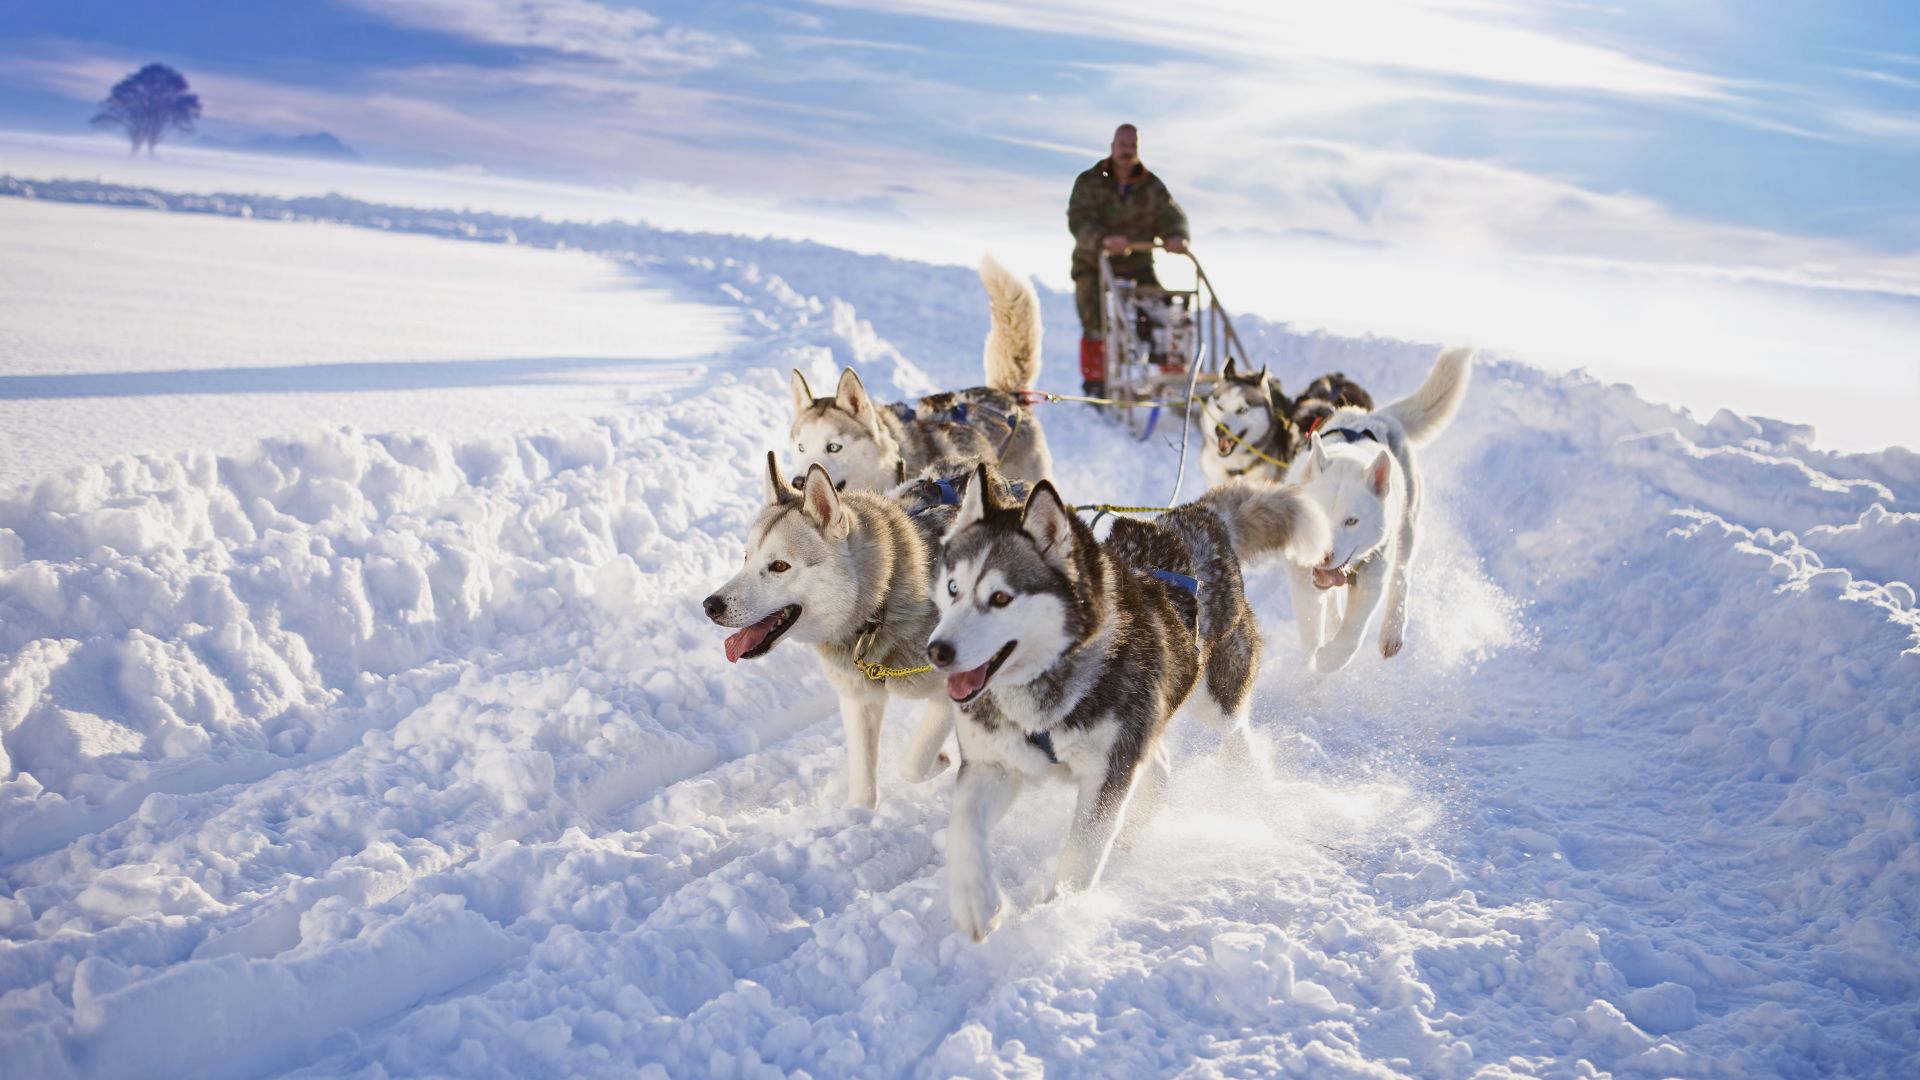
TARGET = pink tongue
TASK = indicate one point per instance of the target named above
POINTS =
(965, 684)
(743, 642)
(1327, 579)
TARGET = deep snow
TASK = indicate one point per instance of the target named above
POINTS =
(373, 754)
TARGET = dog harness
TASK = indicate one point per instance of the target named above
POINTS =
(1350, 434)
(1043, 742)
(961, 412)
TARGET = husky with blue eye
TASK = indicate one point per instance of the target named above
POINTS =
(1359, 468)
(1067, 656)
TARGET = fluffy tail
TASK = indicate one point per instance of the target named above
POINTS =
(1262, 519)
(1013, 342)
(1427, 411)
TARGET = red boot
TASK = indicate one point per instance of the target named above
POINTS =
(1093, 366)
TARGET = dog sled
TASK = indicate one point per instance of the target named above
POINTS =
(1155, 339)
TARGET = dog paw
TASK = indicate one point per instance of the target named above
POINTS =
(976, 907)
(1327, 660)
(866, 800)
(1390, 645)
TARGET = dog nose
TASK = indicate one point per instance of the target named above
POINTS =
(714, 607)
(940, 653)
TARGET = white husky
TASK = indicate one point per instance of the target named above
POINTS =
(1359, 468)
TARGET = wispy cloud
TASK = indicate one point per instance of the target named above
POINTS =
(1470, 39)
(583, 29)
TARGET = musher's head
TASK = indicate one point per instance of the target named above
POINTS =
(1125, 149)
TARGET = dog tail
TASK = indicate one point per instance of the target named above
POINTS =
(1013, 341)
(1427, 411)
(1263, 519)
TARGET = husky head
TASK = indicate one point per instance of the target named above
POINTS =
(1010, 589)
(1353, 484)
(1245, 409)
(798, 581)
(842, 434)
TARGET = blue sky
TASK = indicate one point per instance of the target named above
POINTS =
(1760, 138)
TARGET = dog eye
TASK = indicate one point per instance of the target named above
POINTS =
(1241, 409)
(953, 589)
(799, 448)
(833, 448)
(1352, 521)
(778, 567)
(999, 599)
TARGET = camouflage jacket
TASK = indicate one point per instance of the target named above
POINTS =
(1097, 211)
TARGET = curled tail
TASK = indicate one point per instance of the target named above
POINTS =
(1427, 411)
(1013, 341)
(1263, 519)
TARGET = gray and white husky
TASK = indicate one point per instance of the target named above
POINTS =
(1257, 430)
(1067, 656)
(847, 573)
(866, 446)
(1359, 468)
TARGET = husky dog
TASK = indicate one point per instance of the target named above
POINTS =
(847, 573)
(1319, 400)
(1359, 468)
(1257, 430)
(870, 447)
(1067, 656)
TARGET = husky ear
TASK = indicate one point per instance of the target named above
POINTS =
(821, 503)
(977, 500)
(1228, 372)
(1315, 461)
(802, 393)
(852, 396)
(1380, 473)
(777, 490)
(1263, 374)
(1049, 522)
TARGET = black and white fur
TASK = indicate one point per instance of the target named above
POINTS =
(824, 565)
(1359, 468)
(1045, 631)
(1257, 429)
(868, 446)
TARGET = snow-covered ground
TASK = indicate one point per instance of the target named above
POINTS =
(131, 332)
(362, 753)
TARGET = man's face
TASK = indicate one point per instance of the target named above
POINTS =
(1126, 150)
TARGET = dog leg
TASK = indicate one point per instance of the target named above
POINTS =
(1309, 608)
(1369, 588)
(861, 716)
(981, 795)
(925, 758)
(1098, 814)
(1393, 628)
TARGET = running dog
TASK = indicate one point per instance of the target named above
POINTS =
(1067, 656)
(1257, 430)
(847, 572)
(869, 447)
(1359, 469)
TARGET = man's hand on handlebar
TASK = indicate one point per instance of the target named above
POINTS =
(1176, 245)
(1116, 244)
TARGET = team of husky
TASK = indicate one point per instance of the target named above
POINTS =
(924, 552)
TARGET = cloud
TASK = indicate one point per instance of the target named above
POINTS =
(627, 37)
(1454, 38)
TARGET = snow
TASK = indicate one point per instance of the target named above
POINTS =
(403, 748)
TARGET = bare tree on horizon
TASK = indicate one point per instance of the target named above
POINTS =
(148, 102)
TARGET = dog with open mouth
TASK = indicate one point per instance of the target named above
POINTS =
(847, 573)
(868, 446)
(1359, 468)
(1067, 656)
(1256, 429)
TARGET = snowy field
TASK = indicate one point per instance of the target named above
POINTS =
(130, 332)
(405, 749)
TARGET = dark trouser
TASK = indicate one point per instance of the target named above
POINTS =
(1086, 288)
